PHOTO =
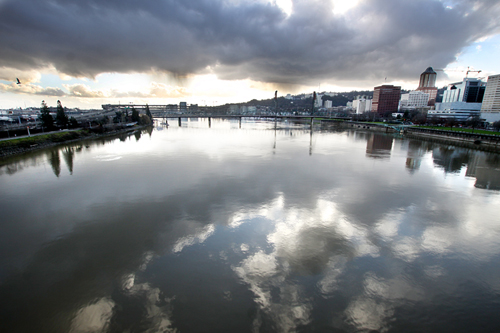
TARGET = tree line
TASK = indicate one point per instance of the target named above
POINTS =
(61, 120)
(134, 116)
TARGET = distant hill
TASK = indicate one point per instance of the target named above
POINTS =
(340, 99)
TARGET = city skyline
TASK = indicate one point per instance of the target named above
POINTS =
(89, 53)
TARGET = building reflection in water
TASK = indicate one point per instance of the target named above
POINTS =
(485, 167)
(451, 158)
(379, 146)
(486, 170)
(416, 151)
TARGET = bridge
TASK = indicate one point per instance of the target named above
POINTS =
(239, 117)
(221, 111)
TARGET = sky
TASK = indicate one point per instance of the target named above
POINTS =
(86, 53)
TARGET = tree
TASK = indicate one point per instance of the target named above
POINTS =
(496, 125)
(45, 117)
(148, 113)
(473, 122)
(118, 117)
(337, 100)
(104, 120)
(451, 122)
(61, 117)
(73, 123)
(420, 118)
(144, 120)
(135, 115)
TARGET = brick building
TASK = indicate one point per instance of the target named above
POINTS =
(386, 99)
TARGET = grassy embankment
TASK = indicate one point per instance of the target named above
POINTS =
(329, 119)
(459, 129)
(444, 128)
(57, 137)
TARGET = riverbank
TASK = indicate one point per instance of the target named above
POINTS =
(480, 140)
(22, 145)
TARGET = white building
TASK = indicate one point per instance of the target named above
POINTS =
(414, 99)
(362, 104)
(328, 104)
(461, 100)
(490, 109)
(470, 90)
(460, 111)
(319, 101)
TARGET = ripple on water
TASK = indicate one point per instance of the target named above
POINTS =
(107, 158)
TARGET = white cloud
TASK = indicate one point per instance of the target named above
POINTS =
(31, 89)
(93, 318)
(196, 238)
(25, 76)
(81, 90)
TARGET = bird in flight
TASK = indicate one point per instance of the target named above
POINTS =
(18, 82)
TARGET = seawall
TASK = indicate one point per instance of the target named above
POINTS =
(486, 142)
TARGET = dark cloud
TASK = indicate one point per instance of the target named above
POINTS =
(242, 39)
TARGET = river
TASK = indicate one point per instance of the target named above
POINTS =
(251, 227)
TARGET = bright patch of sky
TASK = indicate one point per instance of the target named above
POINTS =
(54, 80)
(482, 55)
(286, 6)
(121, 82)
(340, 7)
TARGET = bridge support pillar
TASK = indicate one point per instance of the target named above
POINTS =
(180, 122)
(209, 122)
(240, 122)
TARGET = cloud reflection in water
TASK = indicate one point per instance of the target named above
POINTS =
(285, 242)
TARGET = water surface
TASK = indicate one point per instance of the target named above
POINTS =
(251, 227)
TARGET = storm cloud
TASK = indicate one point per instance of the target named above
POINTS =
(242, 39)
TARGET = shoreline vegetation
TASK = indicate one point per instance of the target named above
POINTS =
(26, 144)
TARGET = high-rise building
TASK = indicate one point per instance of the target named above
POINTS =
(386, 99)
(414, 99)
(319, 101)
(470, 90)
(427, 85)
(461, 100)
(362, 104)
(490, 109)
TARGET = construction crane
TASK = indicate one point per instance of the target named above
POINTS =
(469, 70)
